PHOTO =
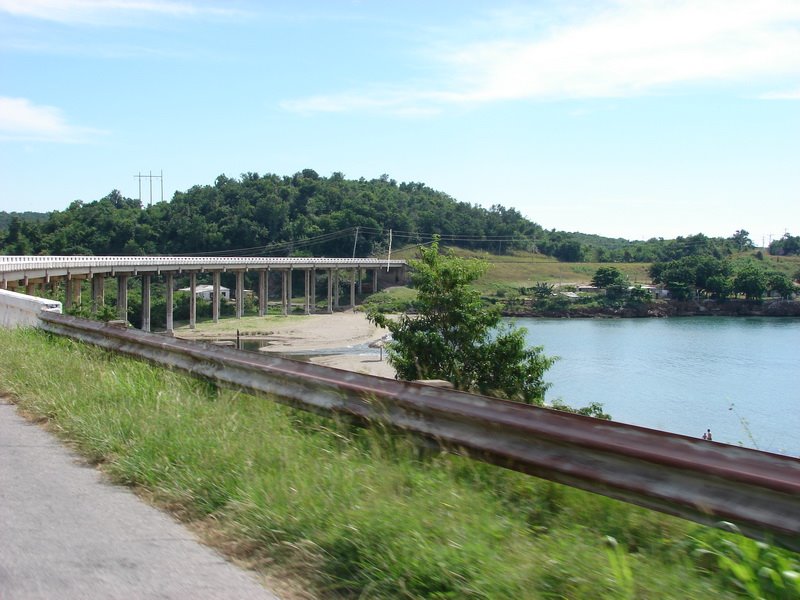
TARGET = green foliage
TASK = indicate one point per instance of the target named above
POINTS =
(356, 513)
(608, 276)
(454, 337)
(787, 245)
(754, 569)
(752, 281)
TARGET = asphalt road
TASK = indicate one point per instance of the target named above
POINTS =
(67, 534)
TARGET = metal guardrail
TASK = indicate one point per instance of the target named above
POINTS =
(706, 482)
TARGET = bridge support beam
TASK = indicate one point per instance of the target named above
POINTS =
(239, 294)
(168, 301)
(122, 297)
(336, 288)
(307, 292)
(330, 291)
(98, 292)
(353, 288)
(313, 289)
(192, 300)
(215, 297)
(146, 302)
(262, 300)
(374, 280)
(285, 295)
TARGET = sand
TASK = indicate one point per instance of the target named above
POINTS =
(331, 332)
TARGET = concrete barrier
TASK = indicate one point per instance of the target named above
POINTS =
(21, 310)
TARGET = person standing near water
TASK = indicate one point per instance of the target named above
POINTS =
(707, 435)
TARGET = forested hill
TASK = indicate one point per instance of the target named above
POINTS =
(306, 214)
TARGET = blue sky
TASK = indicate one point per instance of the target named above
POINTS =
(630, 118)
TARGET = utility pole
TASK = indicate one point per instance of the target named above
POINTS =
(150, 176)
(355, 241)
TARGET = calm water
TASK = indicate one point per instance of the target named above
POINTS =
(682, 375)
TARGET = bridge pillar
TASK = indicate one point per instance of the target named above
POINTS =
(68, 293)
(192, 300)
(360, 281)
(374, 280)
(146, 302)
(266, 292)
(98, 292)
(262, 301)
(77, 288)
(307, 292)
(330, 291)
(239, 294)
(285, 297)
(122, 297)
(168, 301)
(336, 288)
(215, 299)
(313, 289)
(353, 288)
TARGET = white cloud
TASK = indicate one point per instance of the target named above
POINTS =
(790, 95)
(624, 48)
(106, 11)
(22, 120)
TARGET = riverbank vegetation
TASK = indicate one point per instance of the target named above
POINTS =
(364, 513)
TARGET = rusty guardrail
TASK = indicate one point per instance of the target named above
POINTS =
(706, 482)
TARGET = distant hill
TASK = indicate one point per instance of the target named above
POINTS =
(308, 214)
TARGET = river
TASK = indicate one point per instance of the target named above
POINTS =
(740, 377)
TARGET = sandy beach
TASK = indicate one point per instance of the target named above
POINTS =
(330, 332)
(307, 335)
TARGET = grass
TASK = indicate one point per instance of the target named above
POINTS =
(352, 513)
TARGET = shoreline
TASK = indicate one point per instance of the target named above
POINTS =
(308, 336)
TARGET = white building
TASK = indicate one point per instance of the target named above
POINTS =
(206, 292)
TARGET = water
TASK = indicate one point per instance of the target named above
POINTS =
(682, 375)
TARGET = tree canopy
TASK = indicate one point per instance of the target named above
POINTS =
(452, 335)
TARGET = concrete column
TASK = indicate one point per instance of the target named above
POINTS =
(330, 291)
(262, 301)
(67, 293)
(360, 281)
(374, 280)
(336, 288)
(122, 297)
(266, 292)
(77, 288)
(239, 294)
(285, 275)
(98, 292)
(146, 302)
(30, 288)
(192, 300)
(313, 289)
(170, 286)
(353, 288)
(306, 292)
(216, 299)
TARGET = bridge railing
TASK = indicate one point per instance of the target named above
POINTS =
(707, 482)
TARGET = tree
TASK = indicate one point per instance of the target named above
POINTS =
(455, 337)
(608, 276)
(751, 280)
(741, 239)
(780, 284)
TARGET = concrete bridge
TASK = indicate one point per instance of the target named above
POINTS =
(33, 274)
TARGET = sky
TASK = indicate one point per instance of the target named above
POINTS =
(623, 118)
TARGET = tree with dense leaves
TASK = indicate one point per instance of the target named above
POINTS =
(455, 337)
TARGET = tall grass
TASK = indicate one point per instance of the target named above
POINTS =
(350, 512)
